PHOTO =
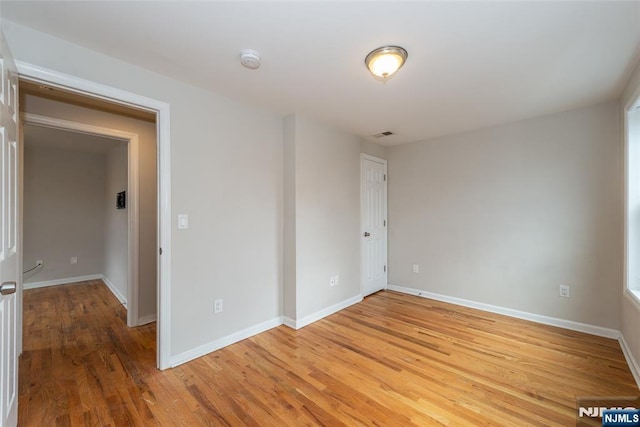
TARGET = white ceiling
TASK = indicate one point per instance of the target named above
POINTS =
(44, 137)
(471, 64)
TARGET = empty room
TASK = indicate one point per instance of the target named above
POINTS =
(353, 213)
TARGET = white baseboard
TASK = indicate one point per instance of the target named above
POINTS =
(64, 281)
(553, 321)
(147, 319)
(307, 320)
(114, 290)
(287, 321)
(200, 351)
(634, 367)
(631, 361)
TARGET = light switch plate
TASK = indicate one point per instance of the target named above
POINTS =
(183, 221)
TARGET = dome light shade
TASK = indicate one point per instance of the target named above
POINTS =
(383, 62)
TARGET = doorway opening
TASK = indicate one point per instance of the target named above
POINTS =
(68, 168)
(111, 99)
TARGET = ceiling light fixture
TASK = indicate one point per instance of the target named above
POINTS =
(384, 61)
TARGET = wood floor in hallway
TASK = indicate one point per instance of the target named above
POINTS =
(391, 360)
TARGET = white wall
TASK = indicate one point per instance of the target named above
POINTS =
(226, 169)
(63, 213)
(116, 230)
(373, 149)
(289, 218)
(505, 215)
(325, 202)
(147, 191)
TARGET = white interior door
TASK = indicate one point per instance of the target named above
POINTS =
(9, 239)
(373, 224)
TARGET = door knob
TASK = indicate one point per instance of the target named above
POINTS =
(7, 288)
(367, 234)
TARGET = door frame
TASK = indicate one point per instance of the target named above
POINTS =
(384, 162)
(133, 180)
(55, 79)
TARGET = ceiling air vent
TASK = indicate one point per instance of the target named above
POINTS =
(383, 134)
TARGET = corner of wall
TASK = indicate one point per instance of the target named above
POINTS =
(373, 149)
(289, 218)
(321, 211)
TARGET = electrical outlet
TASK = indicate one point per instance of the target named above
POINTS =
(334, 280)
(74, 260)
(416, 268)
(565, 291)
(217, 306)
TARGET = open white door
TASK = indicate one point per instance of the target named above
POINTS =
(373, 209)
(9, 265)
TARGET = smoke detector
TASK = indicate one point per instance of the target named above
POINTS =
(250, 59)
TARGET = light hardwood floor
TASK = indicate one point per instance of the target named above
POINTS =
(392, 360)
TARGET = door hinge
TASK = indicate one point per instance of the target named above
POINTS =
(385, 176)
(160, 251)
(384, 222)
(385, 268)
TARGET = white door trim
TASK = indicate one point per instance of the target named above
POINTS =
(369, 157)
(133, 195)
(88, 88)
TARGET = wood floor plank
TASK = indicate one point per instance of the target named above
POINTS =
(392, 360)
